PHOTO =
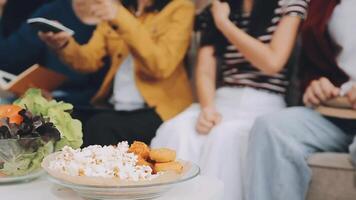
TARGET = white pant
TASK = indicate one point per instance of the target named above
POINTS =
(221, 153)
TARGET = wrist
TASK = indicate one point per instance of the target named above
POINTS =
(208, 107)
(61, 47)
(222, 22)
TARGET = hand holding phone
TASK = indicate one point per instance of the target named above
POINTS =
(55, 41)
(45, 26)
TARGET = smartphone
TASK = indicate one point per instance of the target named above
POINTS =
(45, 25)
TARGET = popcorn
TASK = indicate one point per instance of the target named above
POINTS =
(105, 162)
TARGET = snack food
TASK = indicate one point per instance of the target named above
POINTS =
(130, 163)
(141, 161)
(105, 162)
(162, 155)
(169, 166)
(140, 149)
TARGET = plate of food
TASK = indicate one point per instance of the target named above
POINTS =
(118, 172)
(30, 129)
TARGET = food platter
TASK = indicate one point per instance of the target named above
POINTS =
(114, 188)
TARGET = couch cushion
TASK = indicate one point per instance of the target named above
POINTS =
(333, 177)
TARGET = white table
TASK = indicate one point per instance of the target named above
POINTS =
(41, 189)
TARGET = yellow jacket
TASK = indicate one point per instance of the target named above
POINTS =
(158, 41)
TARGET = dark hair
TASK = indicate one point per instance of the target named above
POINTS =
(261, 16)
(157, 5)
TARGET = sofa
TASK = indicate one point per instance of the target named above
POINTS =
(334, 177)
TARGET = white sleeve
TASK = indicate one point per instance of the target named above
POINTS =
(295, 7)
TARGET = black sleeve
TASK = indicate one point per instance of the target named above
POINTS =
(16, 12)
(208, 38)
(205, 25)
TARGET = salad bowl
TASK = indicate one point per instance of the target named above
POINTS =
(20, 159)
(31, 128)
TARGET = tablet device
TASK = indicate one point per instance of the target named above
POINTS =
(45, 25)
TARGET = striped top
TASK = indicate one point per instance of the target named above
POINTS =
(236, 70)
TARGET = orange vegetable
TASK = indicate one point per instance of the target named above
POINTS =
(11, 112)
(2, 175)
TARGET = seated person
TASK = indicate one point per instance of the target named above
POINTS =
(23, 48)
(280, 143)
(147, 82)
(247, 51)
(16, 12)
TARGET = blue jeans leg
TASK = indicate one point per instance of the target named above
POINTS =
(279, 145)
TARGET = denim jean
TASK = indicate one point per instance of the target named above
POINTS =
(353, 151)
(279, 146)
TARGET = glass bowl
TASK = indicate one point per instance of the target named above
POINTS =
(20, 159)
(139, 191)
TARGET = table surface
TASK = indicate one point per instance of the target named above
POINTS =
(41, 189)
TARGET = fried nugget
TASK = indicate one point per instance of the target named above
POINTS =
(140, 149)
(170, 166)
(141, 162)
(162, 155)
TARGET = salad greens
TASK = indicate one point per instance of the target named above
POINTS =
(30, 127)
(47, 126)
(58, 113)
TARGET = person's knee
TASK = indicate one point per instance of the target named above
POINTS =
(179, 124)
(281, 121)
(265, 124)
(271, 127)
(283, 130)
(226, 132)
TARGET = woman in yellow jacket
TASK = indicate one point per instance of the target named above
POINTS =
(147, 83)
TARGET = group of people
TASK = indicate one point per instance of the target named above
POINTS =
(239, 130)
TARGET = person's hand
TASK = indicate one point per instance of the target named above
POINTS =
(104, 10)
(351, 95)
(55, 41)
(208, 118)
(2, 3)
(142, 5)
(220, 11)
(320, 91)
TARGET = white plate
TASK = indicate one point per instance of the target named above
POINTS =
(25, 178)
(114, 188)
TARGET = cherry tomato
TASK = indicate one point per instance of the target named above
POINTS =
(11, 112)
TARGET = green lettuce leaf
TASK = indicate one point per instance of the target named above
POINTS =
(26, 162)
(58, 114)
(21, 161)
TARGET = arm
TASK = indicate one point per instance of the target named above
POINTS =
(159, 56)
(85, 58)
(206, 77)
(20, 50)
(269, 58)
(319, 91)
(206, 86)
